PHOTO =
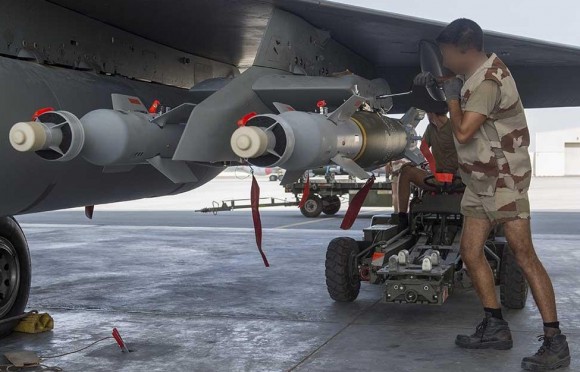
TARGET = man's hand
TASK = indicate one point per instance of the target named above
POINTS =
(452, 88)
(425, 79)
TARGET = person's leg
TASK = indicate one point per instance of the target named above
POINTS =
(475, 233)
(554, 352)
(519, 237)
(493, 332)
(409, 175)
(395, 191)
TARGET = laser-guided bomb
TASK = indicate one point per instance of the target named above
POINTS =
(350, 137)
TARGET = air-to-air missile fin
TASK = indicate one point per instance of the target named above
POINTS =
(350, 166)
(118, 168)
(291, 176)
(347, 109)
(282, 107)
(122, 102)
(179, 115)
(176, 171)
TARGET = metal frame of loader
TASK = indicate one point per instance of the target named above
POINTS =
(422, 264)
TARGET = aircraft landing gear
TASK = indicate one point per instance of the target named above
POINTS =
(14, 273)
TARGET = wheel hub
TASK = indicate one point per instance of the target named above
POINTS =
(310, 206)
(9, 276)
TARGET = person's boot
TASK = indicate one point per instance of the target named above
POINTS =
(553, 353)
(491, 333)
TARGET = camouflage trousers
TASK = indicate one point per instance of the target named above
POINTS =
(507, 204)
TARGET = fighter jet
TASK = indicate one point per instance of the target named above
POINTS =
(107, 101)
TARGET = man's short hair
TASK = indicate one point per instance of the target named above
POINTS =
(442, 112)
(462, 33)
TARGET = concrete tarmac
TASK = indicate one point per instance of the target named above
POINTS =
(189, 292)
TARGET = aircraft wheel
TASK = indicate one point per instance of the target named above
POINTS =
(14, 273)
(331, 205)
(342, 277)
(513, 285)
(313, 207)
(273, 178)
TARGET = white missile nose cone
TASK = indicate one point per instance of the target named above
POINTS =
(249, 142)
(244, 142)
(18, 137)
(27, 136)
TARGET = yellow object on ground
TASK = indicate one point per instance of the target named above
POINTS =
(35, 323)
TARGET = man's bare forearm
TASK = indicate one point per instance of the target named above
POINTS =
(465, 124)
(456, 115)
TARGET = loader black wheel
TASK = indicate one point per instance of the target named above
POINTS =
(331, 205)
(513, 284)
(342, 277)
(312, 207)
(14, 273)
(273, 178)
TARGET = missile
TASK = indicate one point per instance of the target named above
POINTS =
(117, 140)
(354, 139)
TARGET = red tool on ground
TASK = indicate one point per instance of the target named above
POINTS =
(119, 339)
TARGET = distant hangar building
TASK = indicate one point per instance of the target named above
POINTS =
(557, 153)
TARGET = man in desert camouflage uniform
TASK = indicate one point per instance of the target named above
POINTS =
(492, 140)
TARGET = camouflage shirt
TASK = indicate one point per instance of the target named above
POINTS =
(497, 155)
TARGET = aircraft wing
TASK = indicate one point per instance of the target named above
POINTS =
(548, 74)
(141, 98)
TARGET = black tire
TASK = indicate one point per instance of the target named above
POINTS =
(342, 278)
(14, 267)
(273, 178)
(312, 207)
(513, 285)
(331, 205)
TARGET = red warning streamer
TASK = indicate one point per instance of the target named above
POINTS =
(255, 202)
(306, 192)
(89, 210)
(356, 204)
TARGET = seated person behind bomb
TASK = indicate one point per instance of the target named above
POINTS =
(439, 137)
